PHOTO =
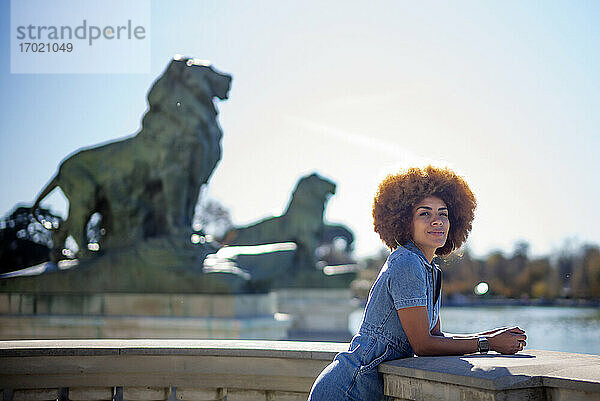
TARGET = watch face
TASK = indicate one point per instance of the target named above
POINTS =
(483, 344)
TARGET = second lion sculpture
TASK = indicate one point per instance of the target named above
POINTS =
(302, 222)
(147, 185)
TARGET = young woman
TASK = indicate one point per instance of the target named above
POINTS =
(418, 214)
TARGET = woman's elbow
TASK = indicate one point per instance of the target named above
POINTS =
(420, 349)
(423, 352)
(424, 347)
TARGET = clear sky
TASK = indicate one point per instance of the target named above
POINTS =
(505, 93)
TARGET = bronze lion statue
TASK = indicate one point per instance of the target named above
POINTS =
(302, 222)
(147, 185)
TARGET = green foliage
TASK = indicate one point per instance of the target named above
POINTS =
(586, 274)
(24, 241)
(516, 276)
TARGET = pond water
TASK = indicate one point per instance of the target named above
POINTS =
(567, 329)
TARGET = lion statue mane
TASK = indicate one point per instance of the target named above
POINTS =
(147, 185)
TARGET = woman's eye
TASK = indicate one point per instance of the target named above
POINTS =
(444, 214)
(424, 214)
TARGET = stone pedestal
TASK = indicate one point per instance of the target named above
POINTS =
(54, 316)
(317, 313)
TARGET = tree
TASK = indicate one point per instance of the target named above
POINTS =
(211, 217)
(24, 241)
(586, 275)
(461, 273)
(539, 279)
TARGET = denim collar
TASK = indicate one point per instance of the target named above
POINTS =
(410, 245)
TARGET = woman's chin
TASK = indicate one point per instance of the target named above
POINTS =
(438, 242)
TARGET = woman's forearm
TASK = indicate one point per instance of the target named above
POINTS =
(447, 345)
(426, 341)
(505, 341)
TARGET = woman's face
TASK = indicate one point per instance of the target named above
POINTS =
(430, 225)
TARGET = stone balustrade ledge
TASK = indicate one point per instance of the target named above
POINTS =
(273, 370)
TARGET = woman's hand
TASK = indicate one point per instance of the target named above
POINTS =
(508, 340)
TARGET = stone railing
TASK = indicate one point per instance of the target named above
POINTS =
(247, 370)
(530, 375)
(161, 369)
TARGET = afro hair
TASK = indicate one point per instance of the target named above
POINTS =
(398, 194)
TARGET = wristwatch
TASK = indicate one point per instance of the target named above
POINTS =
(483, 345)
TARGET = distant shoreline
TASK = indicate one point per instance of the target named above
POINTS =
(566, 302)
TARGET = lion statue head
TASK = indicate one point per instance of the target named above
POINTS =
(184, 95)
(311, 195)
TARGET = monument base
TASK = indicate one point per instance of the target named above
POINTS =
(78, 316)
(139, 327)
(319, 314)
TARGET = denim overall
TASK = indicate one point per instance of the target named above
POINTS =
(406, 279)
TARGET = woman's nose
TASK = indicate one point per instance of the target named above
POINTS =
(437, 221)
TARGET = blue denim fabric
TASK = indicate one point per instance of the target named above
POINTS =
(406, 279)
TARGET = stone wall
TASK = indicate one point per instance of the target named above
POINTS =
(273, 370)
